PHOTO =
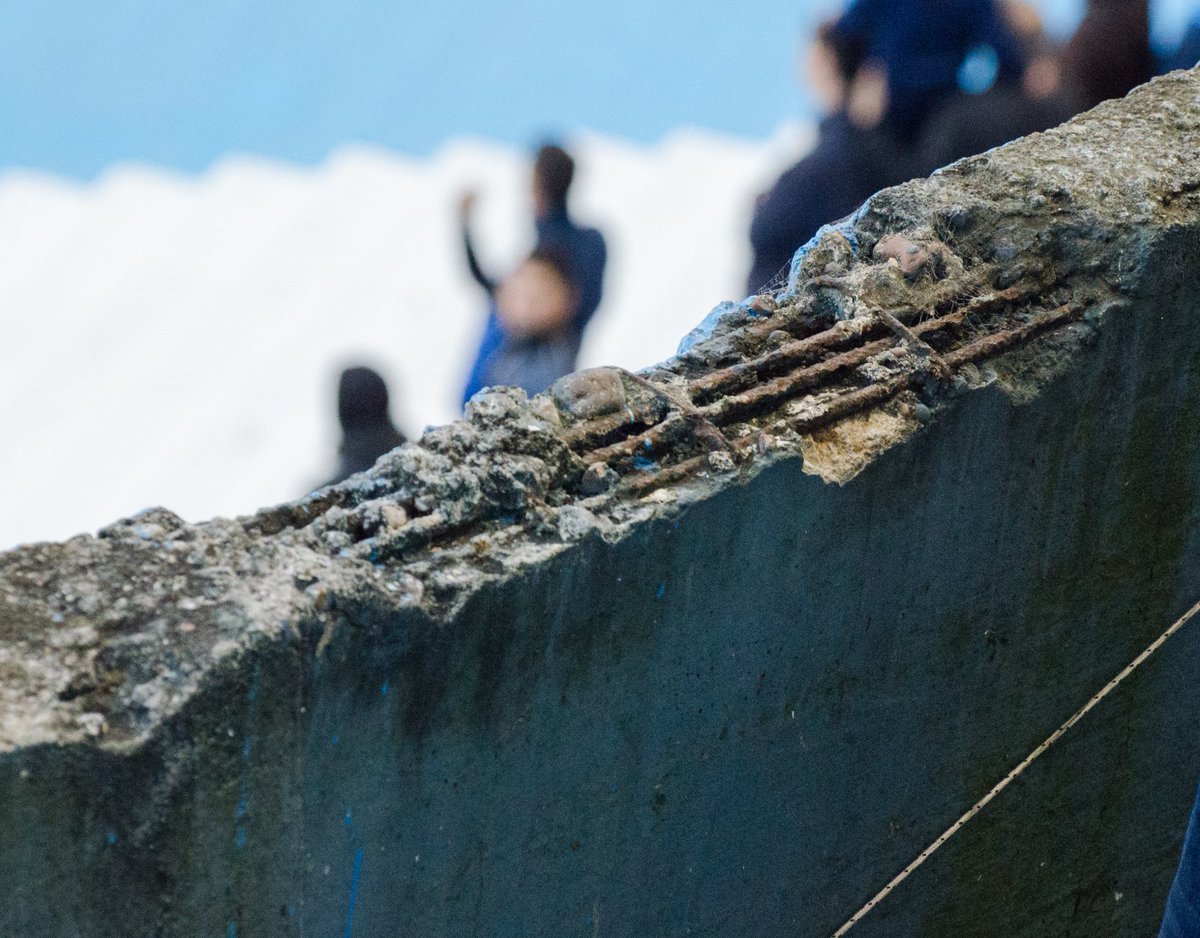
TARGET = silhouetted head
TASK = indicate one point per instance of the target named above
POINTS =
(832, 64)
(362, 399)
(553, 170)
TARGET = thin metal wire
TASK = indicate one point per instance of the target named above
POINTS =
(1011, 776)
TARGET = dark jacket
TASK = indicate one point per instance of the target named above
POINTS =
(922, 45)
(968, 124)
(367, 428)
(845, 167)
(1109, 54)
(587, 256)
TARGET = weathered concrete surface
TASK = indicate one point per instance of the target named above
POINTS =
(713, 650)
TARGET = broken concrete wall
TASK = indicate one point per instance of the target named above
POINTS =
(714, 649)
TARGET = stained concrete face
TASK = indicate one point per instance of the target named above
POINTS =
(715, 649)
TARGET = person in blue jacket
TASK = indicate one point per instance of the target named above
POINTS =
(535, 306)
(583, 249)
(916, 48)
(1182, 916)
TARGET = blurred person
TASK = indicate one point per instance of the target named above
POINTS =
(536, 307)
(1187, 53)
(1181, 919)
(914, 50)
(367, 428)
(1109, 54)
(966, 124)
(853, 158)
(583, 248)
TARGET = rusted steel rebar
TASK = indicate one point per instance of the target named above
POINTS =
(772, 393)
(600, 430)
(642, 483)
(998, 342)
(670, 430)
(850, 403)
(915, 343)
(873, 395)
(804, 351)
(788, 355)
(988, 346)
(760, 398)
(702, 427)
(600, 439)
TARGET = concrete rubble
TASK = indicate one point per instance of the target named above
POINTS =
(714, 648)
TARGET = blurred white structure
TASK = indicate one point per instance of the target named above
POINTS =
(176, 340)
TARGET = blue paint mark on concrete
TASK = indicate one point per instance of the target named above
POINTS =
(845, 228)
(239, 838)
(358, 858)
(110, 838)
(383, 689)
(349, 821)
(334, 741)
(242, 807)
(231, 931)
(705, 328)
(662, 591)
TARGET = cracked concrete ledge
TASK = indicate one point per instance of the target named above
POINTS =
(973, 355)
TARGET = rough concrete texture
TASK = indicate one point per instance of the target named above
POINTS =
(715, 649)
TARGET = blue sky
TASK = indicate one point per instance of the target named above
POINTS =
(84, 84)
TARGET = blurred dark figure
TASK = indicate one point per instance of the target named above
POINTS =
(1182, 916)
(367, 428)
(1187, 53)
(583, 248)
(914, 50)
(966, 124)
(536, 308)
(1109, 54)
(852, 159)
